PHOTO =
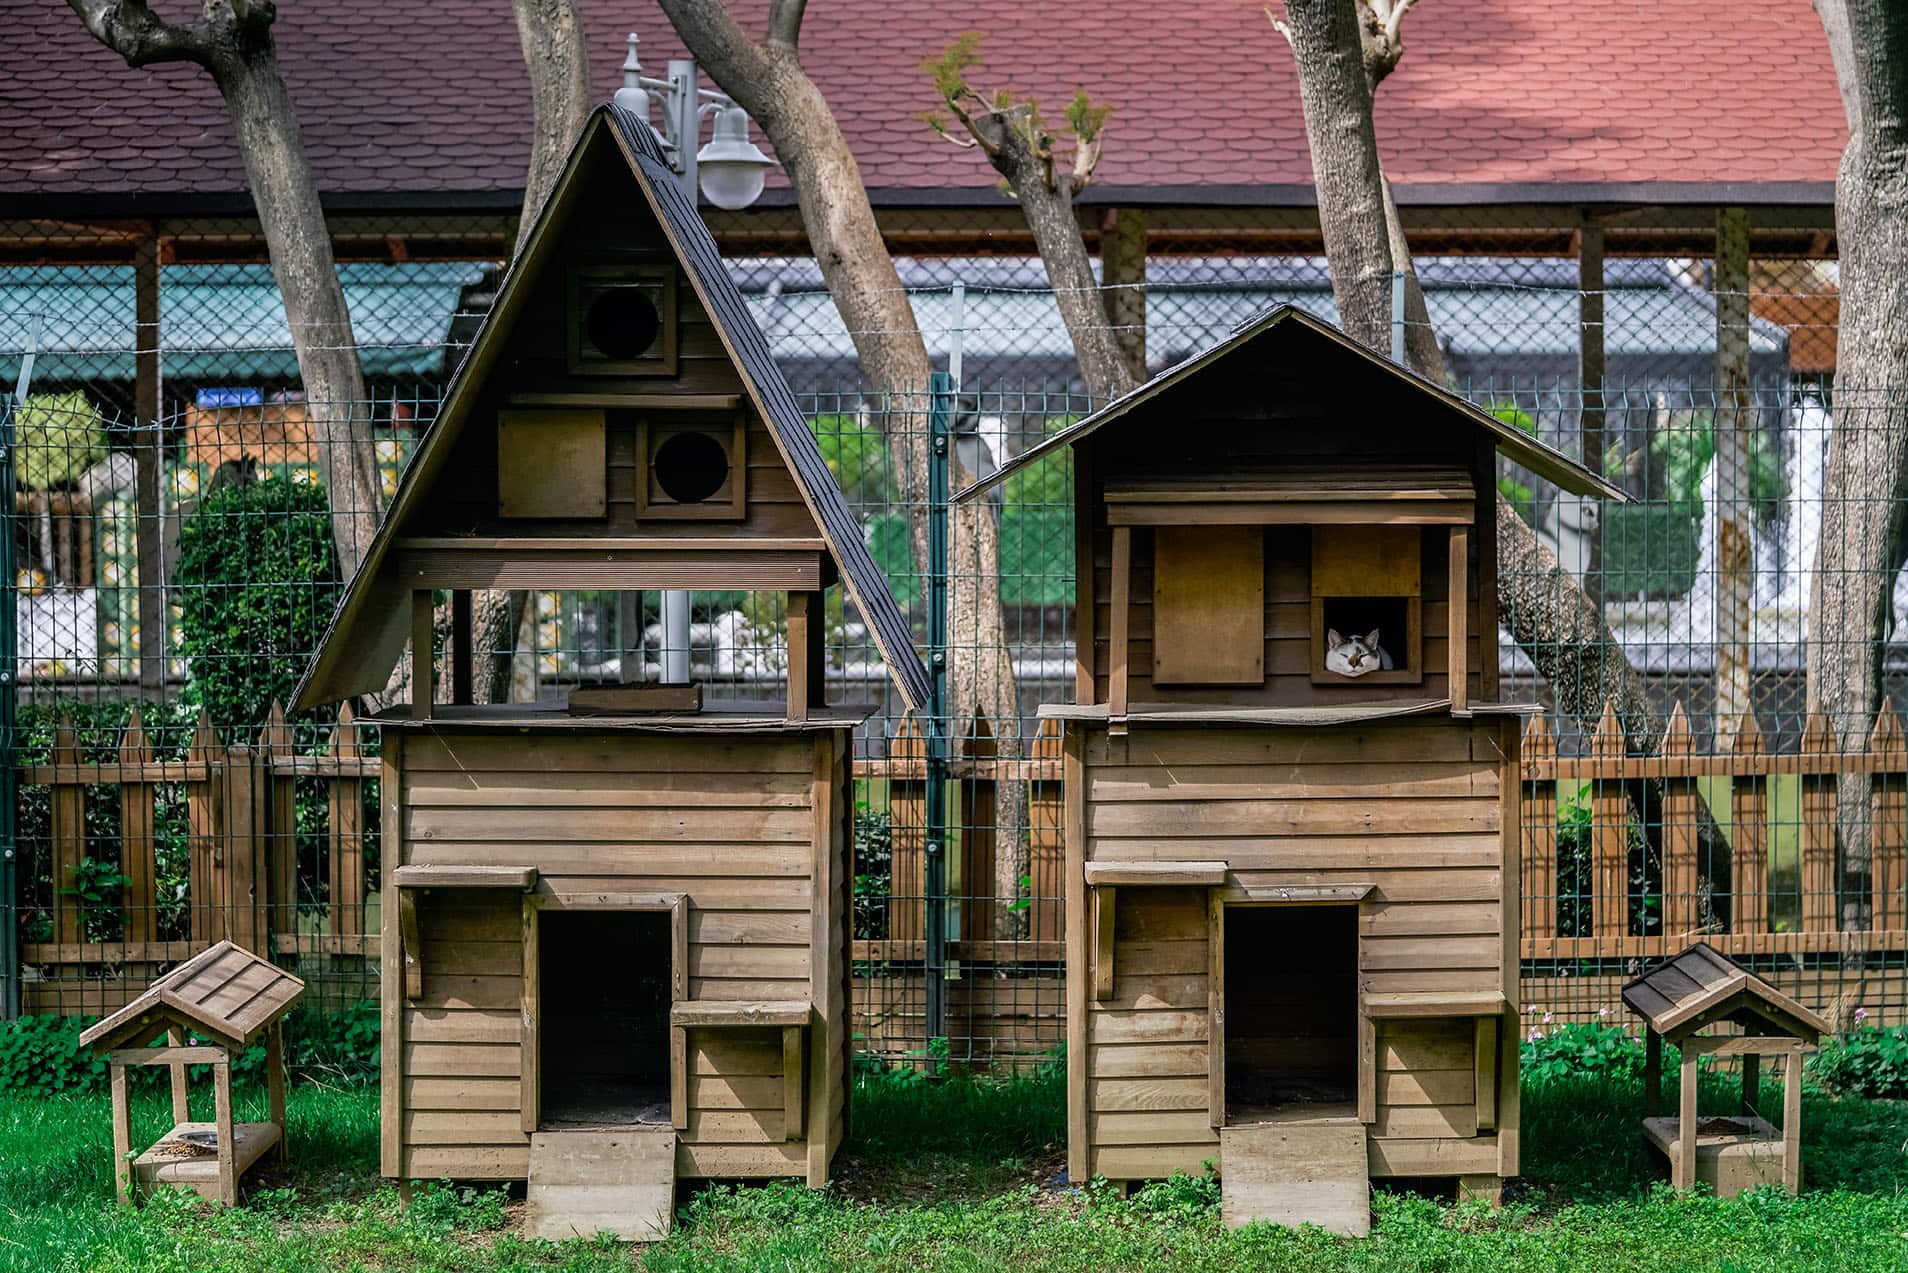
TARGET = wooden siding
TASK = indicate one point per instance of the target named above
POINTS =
(1288, 627)
(748, 828)
(1410, 807)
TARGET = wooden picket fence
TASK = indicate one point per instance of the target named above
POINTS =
(1005, 1002)
(1795, 930)
(242, 881)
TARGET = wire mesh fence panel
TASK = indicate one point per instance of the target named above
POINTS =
(181, 523)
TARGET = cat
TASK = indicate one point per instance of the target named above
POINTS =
(1355, 655)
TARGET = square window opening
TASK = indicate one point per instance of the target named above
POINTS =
(1291, 1008)
(603, 1018)
(1370, 639)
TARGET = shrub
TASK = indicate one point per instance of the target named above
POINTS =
(259, 580)
(1871, 1063)
(874, 871)
(59, 439)
(1571, 1051)
(41, 1056)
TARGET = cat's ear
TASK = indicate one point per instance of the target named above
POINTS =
(1332, 638)
(1371, 638)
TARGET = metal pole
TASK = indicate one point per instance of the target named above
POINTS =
(934, 872)
(9, 698)
(957, 322)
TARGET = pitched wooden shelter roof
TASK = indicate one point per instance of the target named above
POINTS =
(1701, 986)
(225, 994)
(368, 630)
(1289, 323)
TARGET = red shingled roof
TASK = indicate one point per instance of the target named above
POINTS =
(408, 96)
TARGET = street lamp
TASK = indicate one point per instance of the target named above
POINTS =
(731, 169)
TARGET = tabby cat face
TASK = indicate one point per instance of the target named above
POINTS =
(1352, 656)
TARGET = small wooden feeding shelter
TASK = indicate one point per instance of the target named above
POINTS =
(1678, 1001)
(1291, 894)
(230, 999)
(616, 937)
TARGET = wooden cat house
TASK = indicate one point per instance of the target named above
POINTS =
(616, 934)
(1291, 893)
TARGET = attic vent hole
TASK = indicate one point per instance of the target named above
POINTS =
(622, 322)
(690, 467)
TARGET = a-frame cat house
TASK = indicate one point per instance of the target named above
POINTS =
(616, 934)
(1291, 894)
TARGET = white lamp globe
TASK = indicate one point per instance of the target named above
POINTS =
(731, 169)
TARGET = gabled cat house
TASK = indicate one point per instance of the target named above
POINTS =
(1291, 876)
(616, 930)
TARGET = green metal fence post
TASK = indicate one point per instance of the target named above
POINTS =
(934, 869)
(9, 738)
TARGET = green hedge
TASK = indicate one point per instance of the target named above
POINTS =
(1651, 551)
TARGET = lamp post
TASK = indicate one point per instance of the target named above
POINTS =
(729, 171)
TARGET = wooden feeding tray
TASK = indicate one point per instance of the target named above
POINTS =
(1682, 997)
(230, 999)
(1732, 1153)
(188, 1155)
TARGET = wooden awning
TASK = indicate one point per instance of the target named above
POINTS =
(225, 994)
(1701, 987)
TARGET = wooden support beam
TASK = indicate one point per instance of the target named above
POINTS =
(148, 462)
(224, 1122)
(413, 951)
(1484, 1072)
(1683, 1175)
(423, 655)
(1590, 380)
(1117, 658)
(530, 1014)
(794, 1117)
(1103, 909)
(807, 652)
(1216, 1008)
(1084, 596)
(1652, 1073)
(1367, 1069)
(275, 1084)
(1792, 1124)
(1458, 607)
(181, 1093)
(122, 1137)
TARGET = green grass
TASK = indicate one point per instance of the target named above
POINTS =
(963, 1175)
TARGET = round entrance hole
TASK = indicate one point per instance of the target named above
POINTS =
(622, 322)
(690, 467)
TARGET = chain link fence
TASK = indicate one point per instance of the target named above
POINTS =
(174, 562)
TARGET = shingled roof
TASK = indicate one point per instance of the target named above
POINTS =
(369, 618)
(1290, 323)
(1542, 100)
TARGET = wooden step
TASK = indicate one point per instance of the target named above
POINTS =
(620, 1180)
(1295, 1170)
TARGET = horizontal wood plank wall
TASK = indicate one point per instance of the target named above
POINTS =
(729, 822)
(1411, 807)
(1288, 619)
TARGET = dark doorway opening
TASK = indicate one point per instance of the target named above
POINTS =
(603, 988)
(1291, 1035)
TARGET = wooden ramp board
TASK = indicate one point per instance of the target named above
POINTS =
(619, 1180)
(1297, 1170)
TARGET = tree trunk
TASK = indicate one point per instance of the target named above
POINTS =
(1123, 283)
(551, 34)
(293, 222)
(767, 80)
(1732, 514)
(1867, 478)
(233, 44)
(1048, 207)
(1541, 605)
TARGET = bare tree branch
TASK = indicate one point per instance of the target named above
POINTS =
(785, 22)
(132, 30)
